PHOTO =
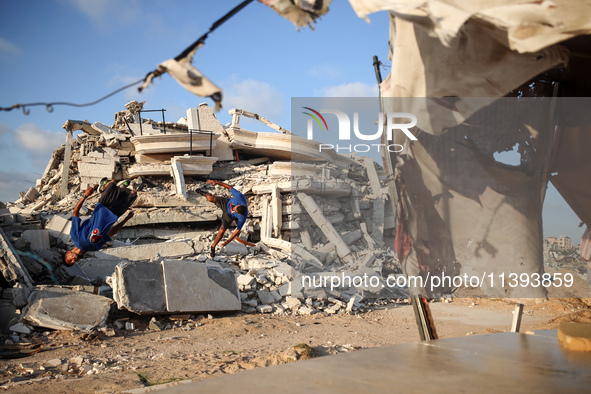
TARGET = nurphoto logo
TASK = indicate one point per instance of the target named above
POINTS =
(401, 121)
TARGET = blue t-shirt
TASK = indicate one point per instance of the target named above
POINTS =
(238, 199)
(91, 234)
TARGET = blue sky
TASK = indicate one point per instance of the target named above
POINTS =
(80, 50)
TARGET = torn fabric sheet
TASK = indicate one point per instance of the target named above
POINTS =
(474, 64)
(525, 26)
(188, 77)
(463, 212)
(301, 13)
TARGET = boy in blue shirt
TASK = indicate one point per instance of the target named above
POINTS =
(93, 233)
(234, 212)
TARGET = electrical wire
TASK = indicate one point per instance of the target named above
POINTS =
(49, 106)
(200, 41)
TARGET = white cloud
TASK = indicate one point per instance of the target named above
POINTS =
(8, 47)
(326, 70)
(353, 89)
(36, 140)
(104, 13)
(13, 182)
(254, 96)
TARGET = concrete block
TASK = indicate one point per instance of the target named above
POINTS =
(266, 297)
(284, 290)
(59, 227)
(147, 251)
(174, 286)
(234, 248)
(264, 308)
(95, 268)
(293, 303)
(64, 309)
(139, 287)
(39, 239)
(195, 287)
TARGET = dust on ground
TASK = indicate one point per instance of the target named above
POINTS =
(199, 347)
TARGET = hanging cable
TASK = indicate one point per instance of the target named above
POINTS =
(49, 106)
(200, 41)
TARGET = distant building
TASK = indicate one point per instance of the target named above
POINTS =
(561, 242)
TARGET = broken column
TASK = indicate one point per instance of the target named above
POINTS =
(327, 228)
(178, 177)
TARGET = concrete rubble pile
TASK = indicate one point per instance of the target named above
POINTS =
(318, 219)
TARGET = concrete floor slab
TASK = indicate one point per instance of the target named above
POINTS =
(507, 362)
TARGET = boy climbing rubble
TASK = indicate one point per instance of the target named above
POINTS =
(234, 212)
(93, 233)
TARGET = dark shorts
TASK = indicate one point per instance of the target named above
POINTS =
(117, 199)
(227, 220)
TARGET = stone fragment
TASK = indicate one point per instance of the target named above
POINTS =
(293, 303)
(264, 308)
(305, 310)
(265, 296)
(245, 280)
(234, 248)
(53, 363)
(252, 302)
(20, 328)
(352, 304)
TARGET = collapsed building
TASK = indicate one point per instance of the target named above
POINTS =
(319, 220)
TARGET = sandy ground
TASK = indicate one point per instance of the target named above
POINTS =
(201, 348)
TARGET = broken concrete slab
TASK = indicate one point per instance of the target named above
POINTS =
(335, 189)
(138, 286)
(196, 287)
(148, 251)
(39, 239)
(65, 309)
(174, 286)
(59, 227)
(98, 268)
(191, 165)
(163, 200)
(186, 215)
(171, 143)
